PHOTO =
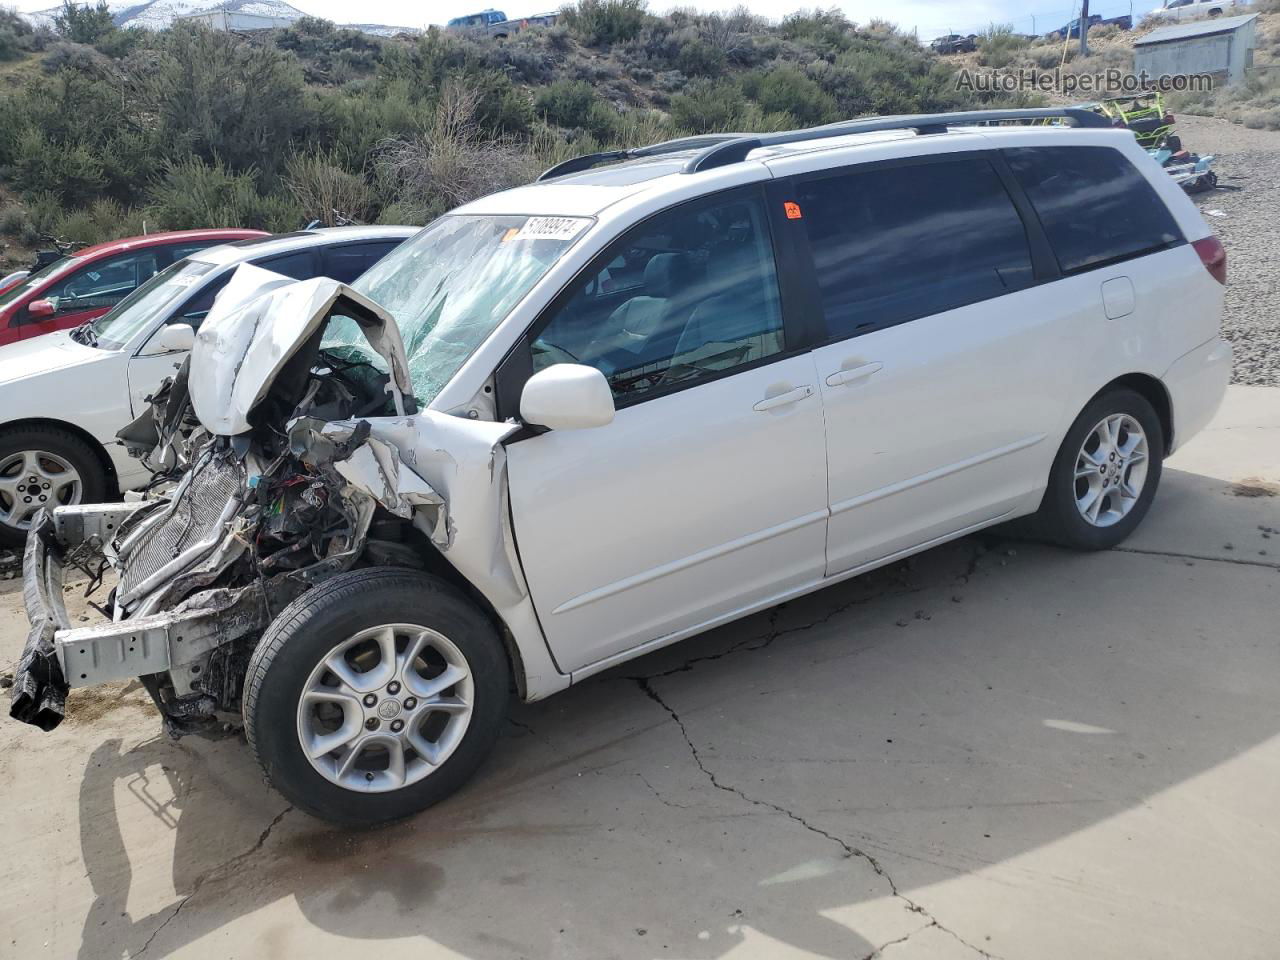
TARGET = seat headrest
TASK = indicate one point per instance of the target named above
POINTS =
(664, 273)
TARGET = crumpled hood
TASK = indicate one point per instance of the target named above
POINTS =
(258, 322)
(44, 354)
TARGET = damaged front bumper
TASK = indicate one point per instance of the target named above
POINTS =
(58, 656)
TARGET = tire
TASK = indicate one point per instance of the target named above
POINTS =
(288, 661)
(44, 455)
(1061, 518)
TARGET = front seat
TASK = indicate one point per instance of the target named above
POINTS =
(638, 325)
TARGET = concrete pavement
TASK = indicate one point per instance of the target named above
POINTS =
(996, 749)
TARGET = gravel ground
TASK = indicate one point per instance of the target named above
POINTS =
(1244, 213)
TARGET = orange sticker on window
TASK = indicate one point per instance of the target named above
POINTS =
(793, 210)
(510, 235)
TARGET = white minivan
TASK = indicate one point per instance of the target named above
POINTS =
(656, 391)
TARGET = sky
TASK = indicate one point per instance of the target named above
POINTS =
(929, 17)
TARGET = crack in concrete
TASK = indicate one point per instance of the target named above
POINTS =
(1240, 561)
(850, 851)
(879, 951)
(211, 874)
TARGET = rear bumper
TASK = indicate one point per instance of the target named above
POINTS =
(1197, 382)
(57, 657)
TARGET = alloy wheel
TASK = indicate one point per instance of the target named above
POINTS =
(1111, 470)
(385, 708)
(31, 479)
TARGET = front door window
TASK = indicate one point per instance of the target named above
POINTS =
(686, 296)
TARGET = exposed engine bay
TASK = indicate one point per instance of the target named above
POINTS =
(277, 463)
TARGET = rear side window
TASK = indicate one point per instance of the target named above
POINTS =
(299, 266)
(891, 244)
(344, 264)
(1095, 206)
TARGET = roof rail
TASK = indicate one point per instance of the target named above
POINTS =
(589, 160)
(735, 151)
(722, 149)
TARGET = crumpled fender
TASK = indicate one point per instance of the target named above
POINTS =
(258, 322)
(445, 473)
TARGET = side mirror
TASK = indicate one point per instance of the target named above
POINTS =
(39, 309)
(567, 396)
(176, 336)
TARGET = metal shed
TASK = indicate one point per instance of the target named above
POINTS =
(1222, 46)
(229, 20)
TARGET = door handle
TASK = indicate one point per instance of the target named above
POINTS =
(856, 373)
(782, 399)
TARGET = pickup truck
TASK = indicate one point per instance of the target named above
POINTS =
(955, 43)
(494, 23)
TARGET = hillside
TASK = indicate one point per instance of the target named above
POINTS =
(1255, 103)
(104, 130)
(162, 14)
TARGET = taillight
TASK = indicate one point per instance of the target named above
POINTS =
(1214, 257)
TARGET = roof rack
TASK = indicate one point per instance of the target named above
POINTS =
(719, 150)
(679, 145)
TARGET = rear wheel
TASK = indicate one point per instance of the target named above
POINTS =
(375, 695)
(1105, 474)
(44, 467)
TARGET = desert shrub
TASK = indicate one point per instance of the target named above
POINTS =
(1046, 57)
(14, 220)
(438, 58)
(44, 208)
(16, 35)
(192, 192)
(998, 45)
(326, 190)
(698, 58)
(71, 171)
(565, 103)
(216, 96)
(824, 31)
(67, 55)
(605, 22)
(576, 105)
(709, 107)
(786, 89)
(118, 44)
(330, 53)
(83, 23)
(1268, 119)
(452, 162)
(102, 220)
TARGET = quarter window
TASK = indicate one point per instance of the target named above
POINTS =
(894, 243)
(1095, 206)
(689, 294)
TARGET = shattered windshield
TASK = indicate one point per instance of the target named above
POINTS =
(450, 286)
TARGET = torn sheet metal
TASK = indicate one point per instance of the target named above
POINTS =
(449, 475)
(258, 322)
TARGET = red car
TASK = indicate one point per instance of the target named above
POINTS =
(85, 285)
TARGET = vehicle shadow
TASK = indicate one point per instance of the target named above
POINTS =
(940, 716)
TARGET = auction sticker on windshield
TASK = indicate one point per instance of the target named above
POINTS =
(552, 228)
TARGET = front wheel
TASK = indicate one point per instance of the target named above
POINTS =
(375, 695)
(44, 467)
(1105, 474)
